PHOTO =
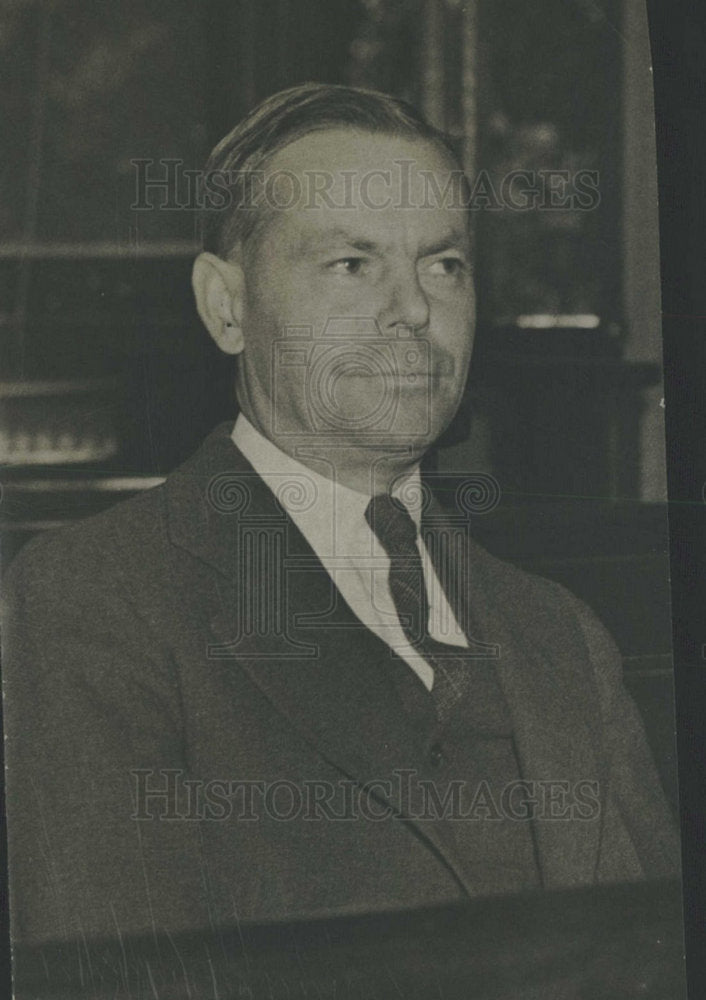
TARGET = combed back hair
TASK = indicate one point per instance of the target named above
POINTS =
(282, 119)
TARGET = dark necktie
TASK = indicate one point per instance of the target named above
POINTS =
(397, 533)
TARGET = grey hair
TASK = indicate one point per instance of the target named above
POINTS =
(282, 119)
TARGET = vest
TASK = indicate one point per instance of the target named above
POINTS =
(471, 777)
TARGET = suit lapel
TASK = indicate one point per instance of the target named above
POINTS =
(545, 689)
(288, 627)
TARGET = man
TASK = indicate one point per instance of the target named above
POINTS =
(287, 683)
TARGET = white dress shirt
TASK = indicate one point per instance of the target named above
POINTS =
(331, 517)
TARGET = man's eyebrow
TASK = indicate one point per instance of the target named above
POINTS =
(456, 240)
(321, 240)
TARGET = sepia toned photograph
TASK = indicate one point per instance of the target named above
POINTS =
(336, 635)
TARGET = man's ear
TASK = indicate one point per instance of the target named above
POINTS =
(219, 288)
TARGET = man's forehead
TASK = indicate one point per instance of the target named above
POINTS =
(366, 190)
(345, 151)
(342, 185)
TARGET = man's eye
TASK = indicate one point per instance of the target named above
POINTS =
(347, 265)
(447, 267)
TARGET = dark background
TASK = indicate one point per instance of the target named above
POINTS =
(678, 32)
(104, 360)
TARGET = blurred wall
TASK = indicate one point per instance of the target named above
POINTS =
(92, 289)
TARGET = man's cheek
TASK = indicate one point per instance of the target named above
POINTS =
(332, 299)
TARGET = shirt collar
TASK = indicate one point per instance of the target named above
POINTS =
(331, 516)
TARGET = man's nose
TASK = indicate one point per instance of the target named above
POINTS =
(406, 305)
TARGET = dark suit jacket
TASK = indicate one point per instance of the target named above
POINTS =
(131, 643)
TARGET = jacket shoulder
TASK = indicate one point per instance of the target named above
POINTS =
(124, 540)
(518, 588)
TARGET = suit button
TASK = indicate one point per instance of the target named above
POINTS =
(437, 757)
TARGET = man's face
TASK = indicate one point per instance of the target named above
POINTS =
(359, 305)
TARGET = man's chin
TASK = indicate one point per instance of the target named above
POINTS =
(415, 430)
(412, 444)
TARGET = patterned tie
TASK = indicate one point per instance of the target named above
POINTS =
(397, 533)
